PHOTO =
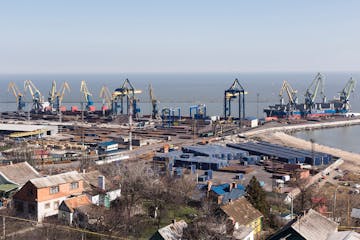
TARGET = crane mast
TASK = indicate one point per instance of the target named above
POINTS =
(346, 92)
(154, 103)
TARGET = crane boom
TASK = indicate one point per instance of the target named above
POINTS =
(105, 94)
(289, 91)
(35, 94)
(154, 103)
(17, 94)
(87, 95)
(312, 91)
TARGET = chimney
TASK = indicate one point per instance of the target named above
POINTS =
(209, 185)
(173, 221)
(84, 171)
(233, 185)
(101, 182)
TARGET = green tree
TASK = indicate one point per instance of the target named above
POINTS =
(256, 195)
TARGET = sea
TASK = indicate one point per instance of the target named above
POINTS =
(187, 89)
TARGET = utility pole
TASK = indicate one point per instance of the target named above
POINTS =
(4, 232)
(257, 105)
(130, 112)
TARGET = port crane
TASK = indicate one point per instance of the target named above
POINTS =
(59, 95)
(290, 92)
(127, 91)
(154, 103)
(18, 95)
(312, 92)
(87, 96)
(346, 92)
(170, 115)
(37, 98)
(106, 96)
(52, 94)
(235, 91)
(200, 111)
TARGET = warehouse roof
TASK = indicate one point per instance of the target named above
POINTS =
(18, 173)
(23, 127)
(58, 179)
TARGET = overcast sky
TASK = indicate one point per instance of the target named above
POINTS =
(179, 36)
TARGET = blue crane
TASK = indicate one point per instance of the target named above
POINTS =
(127, 91)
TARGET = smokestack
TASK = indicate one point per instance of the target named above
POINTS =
(101, 182)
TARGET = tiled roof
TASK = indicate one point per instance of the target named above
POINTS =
(241, 211)
(173, 231)
(76, 202)
(55, 180)
(19, 173)
(232, 195)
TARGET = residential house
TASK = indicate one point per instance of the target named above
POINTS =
(68, 207)
(14, 176)
(239, 213)
(41, 197)
(224, 193)
(344, 235)
(173, 231)
(311, 226)
(99, 189)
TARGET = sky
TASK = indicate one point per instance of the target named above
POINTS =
(179, 36)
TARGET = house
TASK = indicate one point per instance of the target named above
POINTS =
(311, 226)
(173, 231)
(89, 216)
(68, 207)
(344, 235)
(14, 176)
(224, 193)
(239, 213)
(99, 189)
(41, 197)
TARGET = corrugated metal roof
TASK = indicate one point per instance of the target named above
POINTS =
(76, 202)
(173, 231)
(19, 173)
(55, 180)
(345, 235)
(314, 226)
(24, 127)
(241, 211)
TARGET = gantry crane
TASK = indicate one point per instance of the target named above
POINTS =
(154, 103)
(235, 91)
(59, 95)
(87, 96)
(346, 92)
(106, 96)
(312, 92)
(170, 115)
(37, 98)
(200, 111)
(18, 95)
(128, 91)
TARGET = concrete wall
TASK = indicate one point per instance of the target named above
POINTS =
(53, 209)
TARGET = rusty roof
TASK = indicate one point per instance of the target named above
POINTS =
(19, 173)
(55, 180)
(76, 202)
(241, 211)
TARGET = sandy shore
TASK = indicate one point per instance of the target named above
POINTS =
(351, 160)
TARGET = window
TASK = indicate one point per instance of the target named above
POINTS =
(54, 190)
(56, 205)
(74, 185)
(47, 205)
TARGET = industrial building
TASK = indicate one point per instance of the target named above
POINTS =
(284, 154)
(16, 131)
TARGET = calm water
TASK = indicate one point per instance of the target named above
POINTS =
(182, 90)
(346, 138)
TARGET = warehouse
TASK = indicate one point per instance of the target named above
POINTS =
(284, 154)
(27, 130)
